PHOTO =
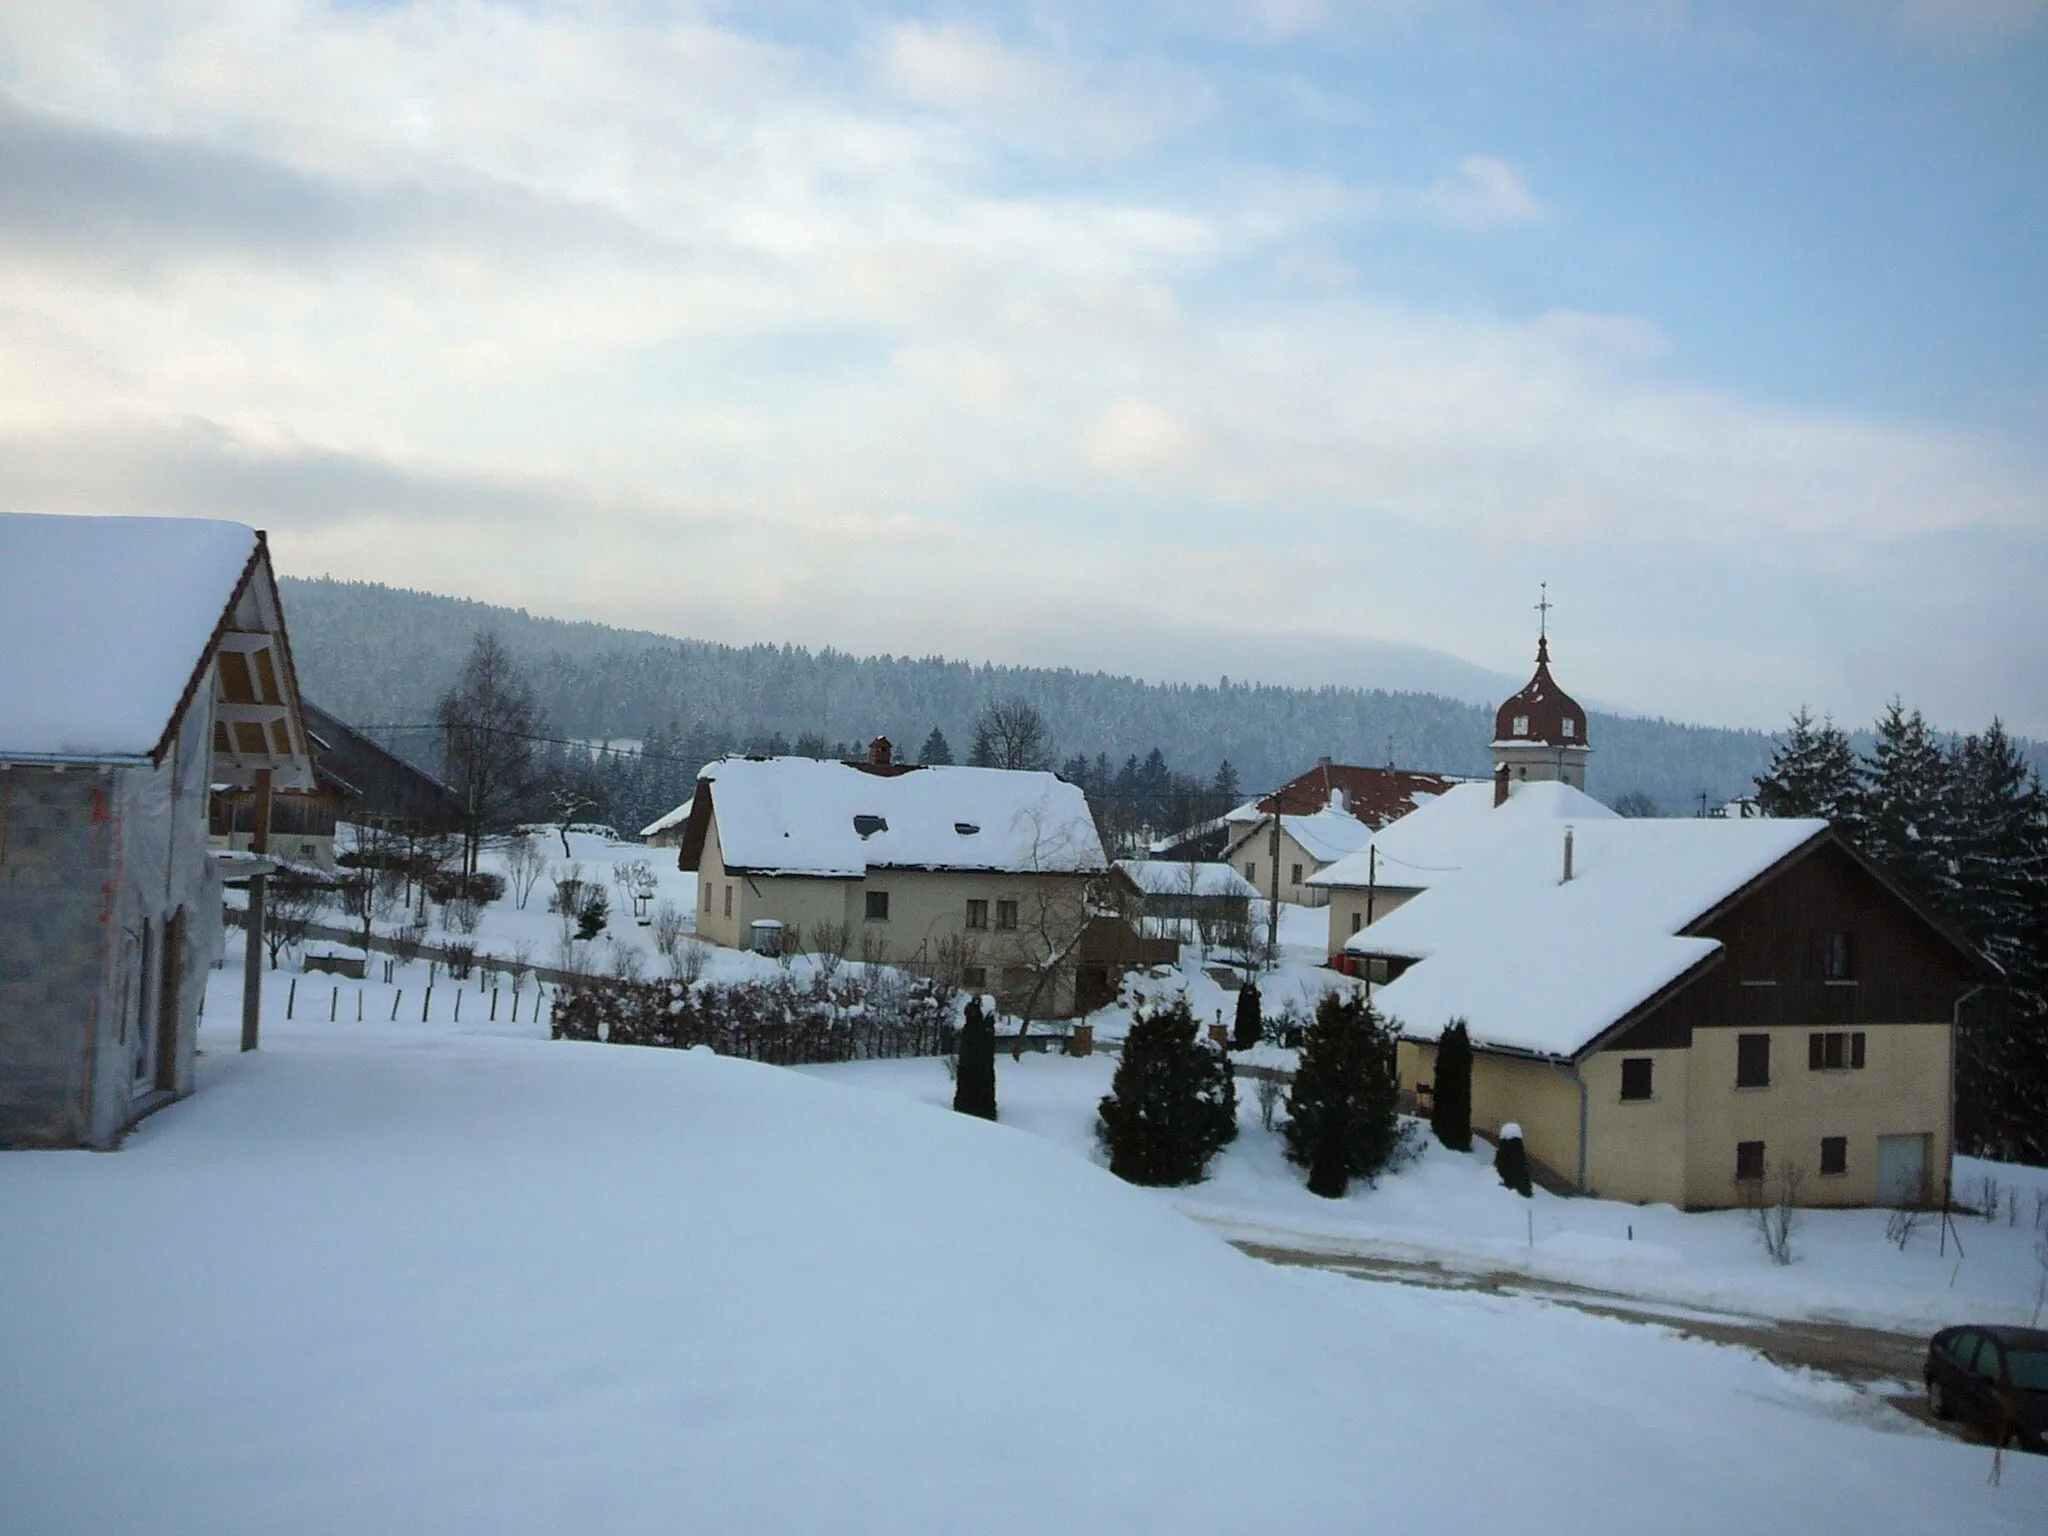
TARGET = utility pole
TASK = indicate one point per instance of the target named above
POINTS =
(252, 927)
(1273, 906)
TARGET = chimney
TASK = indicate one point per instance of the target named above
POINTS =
(1500, 785)
(881, 752)
(1322, 762)
(1567, 857)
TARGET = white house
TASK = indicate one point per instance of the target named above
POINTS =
(990, 873)
(142, 661)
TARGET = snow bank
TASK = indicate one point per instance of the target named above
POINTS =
(395, 1280)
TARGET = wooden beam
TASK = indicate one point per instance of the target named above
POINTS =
(252, 930)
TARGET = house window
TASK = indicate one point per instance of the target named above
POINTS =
(1295, 877)
(1834, 1154)
(977, 914)
(1357, 921)
(1571, 727)
(1749, 1160)
(1841, 957)
(1635, 1077)
(1251, 870)
(1006, 915)
(878, 906)
(1752, 1061)
(1834, 1050)
(974, 977)
(728, 901)
(1521, 725)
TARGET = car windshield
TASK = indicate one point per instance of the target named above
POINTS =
(2029, 1368)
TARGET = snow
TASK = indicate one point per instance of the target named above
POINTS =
(673, 819)
(1511, 1132)
(795, 815)
(1166, 877)
(414, 1278)
(1449, 1209)
(1538, 963)
(102, 622)
(1452, 831)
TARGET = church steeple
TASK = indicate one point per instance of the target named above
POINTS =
(1540, 732)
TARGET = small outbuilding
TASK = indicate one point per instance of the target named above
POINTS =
(142, 662)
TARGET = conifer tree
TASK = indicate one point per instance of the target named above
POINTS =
(1814, 772)
(1511, 1161)
(1450, 1114)
(1343, 1112)
(974, 1090)
(1907, 822)
(1172, 1105)
(936, 752)
(1223, 789)
(1249, 1026)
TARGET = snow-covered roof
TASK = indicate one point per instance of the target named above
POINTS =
(103, 623)
(1169, 877)
(1537, 963)
(1459, 826)
(669, 822)
(799, 815)
(1326, 836)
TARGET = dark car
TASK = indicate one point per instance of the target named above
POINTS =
(1994, 1378)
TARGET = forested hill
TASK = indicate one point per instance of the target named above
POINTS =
(380, 655)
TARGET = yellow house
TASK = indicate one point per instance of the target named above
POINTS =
(1689, 1011)
(990, 876)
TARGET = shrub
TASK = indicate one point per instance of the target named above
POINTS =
(974, 1088)
(1450, 1114)
(1343, 1115)
(1249, 1025)
(1172, 1104)
(592, 912)
(449, 885)
(1511, 1160)
(783, 1022)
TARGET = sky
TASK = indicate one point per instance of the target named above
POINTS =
(1175, 339)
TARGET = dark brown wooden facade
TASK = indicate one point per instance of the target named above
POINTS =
(1824, 908)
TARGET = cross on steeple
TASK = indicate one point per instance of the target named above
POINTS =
(1543, 607)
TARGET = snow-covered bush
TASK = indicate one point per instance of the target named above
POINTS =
(1511, 1160)
(1450, 1114)
(1250, 1025)
(1343, 1115)
(974, 1080)
(782, 1021)
(1172, 1104)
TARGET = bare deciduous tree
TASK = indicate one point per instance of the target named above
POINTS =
(1011, 733)
(1773, 1205)
(488, 721)
(828, 943)
(292, 905)
(525, 863)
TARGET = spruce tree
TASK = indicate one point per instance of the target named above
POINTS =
(1907, 821)
(1343, 1112)
(1814, 772)
(1450, 1114)
(1250, 1023)
(1511, 1161)
(936, 752)
(974, 1090)
(1172, 1105)
(1224, 787)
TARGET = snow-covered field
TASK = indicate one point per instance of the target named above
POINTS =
(403, 1277)
(1450, 1208)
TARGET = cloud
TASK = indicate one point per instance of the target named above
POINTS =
(1037, 101)
(606, 314)
(1133, 437)
(1484, 193)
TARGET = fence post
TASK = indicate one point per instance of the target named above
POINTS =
(396, 998)
(291, 997)
(426, 1002)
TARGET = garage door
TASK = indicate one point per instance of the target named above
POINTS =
(1902, 1172)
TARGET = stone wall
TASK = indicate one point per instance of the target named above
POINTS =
(57, 879)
